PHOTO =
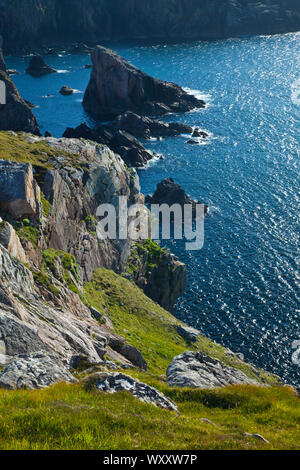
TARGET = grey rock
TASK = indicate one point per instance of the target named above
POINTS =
(118, 382)
(257, 436)
(189, 334)
(19, 192)
(37, 370)
(10, 240)
(197, 370)
(66, 91)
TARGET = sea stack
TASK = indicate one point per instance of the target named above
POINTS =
(116, 86)
(38, 67)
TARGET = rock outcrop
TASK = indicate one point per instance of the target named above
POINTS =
(10, 240)
(16, 115)
(37, 370)
(117, 382)
(144, 128)
(189, 334)
(52, 21)
(121, 142)
(66, 91)
(19, 192)
(168, 192)
(116, 86)
(196, 370)
(38, 67)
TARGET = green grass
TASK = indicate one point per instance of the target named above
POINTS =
(148, 326)
(69, 417)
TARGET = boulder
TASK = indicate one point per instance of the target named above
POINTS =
(143, 127)
(19, 192)
(168, 192)
(118, 382)
(189, 334)
(66, 91)
(129, 352)
(116, 86)
(16, 115)
(197, 370)
(34, 371)
(10, 240)
(38, 67)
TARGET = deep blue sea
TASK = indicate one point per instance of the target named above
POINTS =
(243, 288)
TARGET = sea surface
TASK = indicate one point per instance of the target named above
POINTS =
(243, 289)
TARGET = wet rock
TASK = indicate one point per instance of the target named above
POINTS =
(198, 133)
(13, 72)
(197, 370)
(66, 91)
(80, 48)
(38, 67)
(19, 192)
(117, 382)
(35, 371)
(144, 127)
(48, 134)
(168, 192)
(116, 87)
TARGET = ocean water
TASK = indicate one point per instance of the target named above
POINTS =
(243, 288)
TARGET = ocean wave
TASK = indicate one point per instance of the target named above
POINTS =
(199, 94)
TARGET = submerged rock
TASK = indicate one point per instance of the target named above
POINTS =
(117, 382)
(38, 67)
(37, 370)
(116, 86)
(198, 370)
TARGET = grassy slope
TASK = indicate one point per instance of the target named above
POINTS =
(69, 417)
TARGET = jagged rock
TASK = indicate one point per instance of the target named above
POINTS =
(16, 115)
(66, 91)
(197, 370)
(37, 370)
(19, 192)
(198, 133)
(117, 86)
(121, 142)
(38, 67)
(10, 240)
(189, 334)
(168, 192)
(48, 134)
(143, 127)
(117, 382)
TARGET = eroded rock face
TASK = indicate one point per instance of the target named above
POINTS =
(16, 115)
(117, 382)
(19, 192)
(37, 370)
(38, 67)
(10, 240)
(117, 86)
(196, 370)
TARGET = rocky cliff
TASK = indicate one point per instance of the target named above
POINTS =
(28, 23)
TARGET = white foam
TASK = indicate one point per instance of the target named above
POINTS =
(296, 92)
(199, 94)
(62, 71)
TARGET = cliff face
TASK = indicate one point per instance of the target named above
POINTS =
(25, 23)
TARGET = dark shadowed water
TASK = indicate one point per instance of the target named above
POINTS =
(243, 286)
